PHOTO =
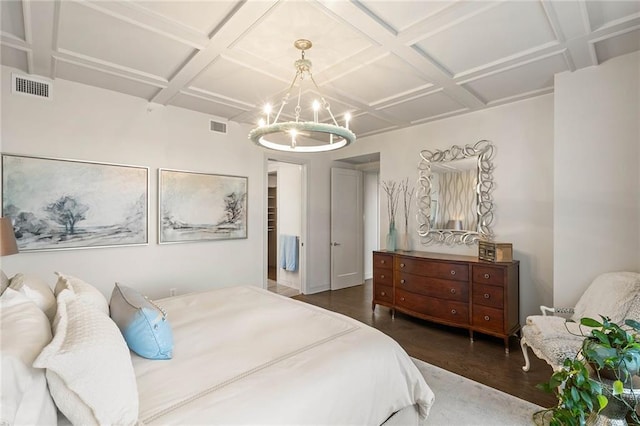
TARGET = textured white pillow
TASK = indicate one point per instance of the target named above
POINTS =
(85, 291)
(4, 281)
(89, 368)
(37, 290)
(24, 331)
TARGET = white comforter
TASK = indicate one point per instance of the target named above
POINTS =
(246, 356)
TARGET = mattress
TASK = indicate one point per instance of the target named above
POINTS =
(247, 356)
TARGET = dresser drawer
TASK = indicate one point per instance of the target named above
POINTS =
(434, 287)
(488, 295)
(488, 318)
(488, 275)
(383, 276)
(383, 293)
(382, 261)
(447, 310)
(430, 268)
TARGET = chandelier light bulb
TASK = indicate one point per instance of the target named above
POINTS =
(267, 110)
(261, 122)
(347, 118)
(316, 107)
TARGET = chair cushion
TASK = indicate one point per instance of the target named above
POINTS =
(610, 294)
(548, 338)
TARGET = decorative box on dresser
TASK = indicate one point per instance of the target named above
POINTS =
(459, 291)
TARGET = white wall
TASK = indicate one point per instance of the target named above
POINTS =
(371, 225)
(597, 174)
(523, 135)
(86, 123)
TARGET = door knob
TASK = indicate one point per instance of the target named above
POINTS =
(336, 244)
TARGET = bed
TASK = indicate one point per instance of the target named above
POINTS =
(243, 355)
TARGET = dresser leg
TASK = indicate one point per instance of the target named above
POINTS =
(373, 306)
(506, 345)
(471, 336)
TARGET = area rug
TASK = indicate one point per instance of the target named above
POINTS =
(463, 402)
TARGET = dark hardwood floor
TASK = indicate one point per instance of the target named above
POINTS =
(483, 360)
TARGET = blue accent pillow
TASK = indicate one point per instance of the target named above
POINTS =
(143, 324)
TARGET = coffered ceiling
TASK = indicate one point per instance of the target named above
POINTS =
(390, 63)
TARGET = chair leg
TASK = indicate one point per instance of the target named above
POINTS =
(525, 353)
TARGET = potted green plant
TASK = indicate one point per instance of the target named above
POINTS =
(608, 351)
(612, 351)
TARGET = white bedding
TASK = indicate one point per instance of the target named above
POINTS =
(246, 356)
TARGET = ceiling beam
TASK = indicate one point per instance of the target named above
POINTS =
(40, 26)
(239, 21)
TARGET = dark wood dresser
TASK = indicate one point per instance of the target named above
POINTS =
(459, 291)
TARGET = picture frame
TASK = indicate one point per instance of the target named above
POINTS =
(61, 204)
(195, 206)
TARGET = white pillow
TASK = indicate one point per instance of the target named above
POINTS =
(4, 281)
(85, 292)
(24, 331)
(89, 368)
(610, 294)
(37, 290)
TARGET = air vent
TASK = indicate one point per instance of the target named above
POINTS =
(31, 86)
(218, 127)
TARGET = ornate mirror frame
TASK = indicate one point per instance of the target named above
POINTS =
(483, 150)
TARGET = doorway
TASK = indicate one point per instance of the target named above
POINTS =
(369, 221)
(286, 217)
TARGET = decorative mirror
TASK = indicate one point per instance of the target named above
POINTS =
(454, 194)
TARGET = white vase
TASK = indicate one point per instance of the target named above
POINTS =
(404, 242)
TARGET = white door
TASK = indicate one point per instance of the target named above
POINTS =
(347, 227)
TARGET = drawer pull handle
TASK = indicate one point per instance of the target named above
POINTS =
(486, 276)
(402, 265)
(453, 272)
(382, 277)
(402, 299)
(453, 311)
(401, 281)
(383, 294)
(486, 295)
(453, 291)
(486, 318)
(382, 261)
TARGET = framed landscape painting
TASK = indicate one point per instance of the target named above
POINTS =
(200, 206)
(57, 204)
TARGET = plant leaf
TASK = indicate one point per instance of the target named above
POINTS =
(617, 387)
(603, 401)
(590, 322)
(633, 324)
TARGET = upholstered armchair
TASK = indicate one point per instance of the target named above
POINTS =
(613, 294)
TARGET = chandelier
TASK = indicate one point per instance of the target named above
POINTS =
(300, 135)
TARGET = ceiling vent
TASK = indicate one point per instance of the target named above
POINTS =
(218, 127)
(31, 86)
